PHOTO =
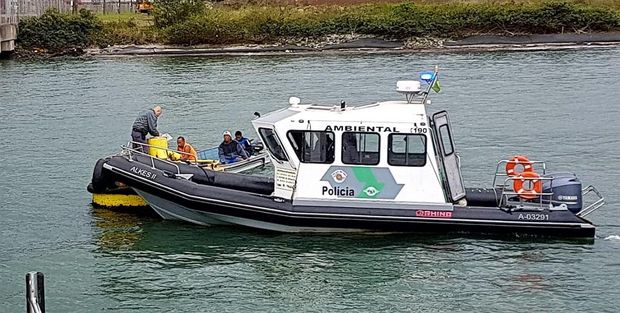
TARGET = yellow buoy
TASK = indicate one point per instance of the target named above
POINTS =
(174, 156)
(159, 146)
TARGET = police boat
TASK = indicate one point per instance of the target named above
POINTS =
(387, 166)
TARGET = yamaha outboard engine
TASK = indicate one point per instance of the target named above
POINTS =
(566, 189)
(257, 147)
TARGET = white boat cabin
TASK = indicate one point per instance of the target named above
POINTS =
(390, 152)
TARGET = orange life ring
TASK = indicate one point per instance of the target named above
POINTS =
(528, 193)
(516, 160)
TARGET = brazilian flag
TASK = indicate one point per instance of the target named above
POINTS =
(436, 87)
(430, 77)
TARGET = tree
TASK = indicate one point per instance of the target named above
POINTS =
(170, 12)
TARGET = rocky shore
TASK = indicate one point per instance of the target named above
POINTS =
(370, 44)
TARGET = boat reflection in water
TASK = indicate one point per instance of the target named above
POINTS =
(153, 259)
(223, 256)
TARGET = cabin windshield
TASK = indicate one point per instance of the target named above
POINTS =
(272, 142)
(312, 146)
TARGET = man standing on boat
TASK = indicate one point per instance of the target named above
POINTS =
(145, 123)
(230, 151)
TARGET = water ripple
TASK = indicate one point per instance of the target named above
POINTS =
(62, 115)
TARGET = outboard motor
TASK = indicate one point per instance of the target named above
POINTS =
(566, 189)
(257, 147)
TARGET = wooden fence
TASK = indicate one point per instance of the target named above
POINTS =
(12, 10)
(109, 6)
(7, 13)
(24, 8)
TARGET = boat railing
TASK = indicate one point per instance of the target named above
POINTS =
(326, 107)
(168, 150)
(597, 204)
(512, 198)
(502, 163)
(129, 151)
(196, 161)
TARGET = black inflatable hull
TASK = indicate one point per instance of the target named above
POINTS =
(107, 193)
(245, 200)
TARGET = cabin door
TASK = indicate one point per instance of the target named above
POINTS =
(447, 153)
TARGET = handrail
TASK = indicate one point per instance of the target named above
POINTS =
(132, 150)
(499, 163)
(593, 206)
(321, 107)
(540, 195)
(167, 150)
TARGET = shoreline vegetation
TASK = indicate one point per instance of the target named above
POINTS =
(425, 24)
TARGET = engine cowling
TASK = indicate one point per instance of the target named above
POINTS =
(566, 189)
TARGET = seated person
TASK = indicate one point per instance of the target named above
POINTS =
(230, 151)
(244, 142)
(189, 152)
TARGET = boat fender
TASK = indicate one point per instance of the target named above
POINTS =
(518, 160)
(524, 192)
(237, 181)
(485, 197)
(101, 178)
(90, 188)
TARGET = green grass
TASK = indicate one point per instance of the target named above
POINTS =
(615, 4)
(126, 29)
(222, 25)
(228, 24)
(139, 18)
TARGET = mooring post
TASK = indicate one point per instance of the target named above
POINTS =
(35, 293)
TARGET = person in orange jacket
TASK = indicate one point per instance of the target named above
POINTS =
(189, 151)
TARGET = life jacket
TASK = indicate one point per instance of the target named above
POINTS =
(188, 149)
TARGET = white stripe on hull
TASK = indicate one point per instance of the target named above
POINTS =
(172, 211)
(281, 228)
(169, 210)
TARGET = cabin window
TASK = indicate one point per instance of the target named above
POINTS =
(272, 142)
(312, 146)
(360, 148)
(407, 149)
(446, 140)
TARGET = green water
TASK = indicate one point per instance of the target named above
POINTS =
(59, 117)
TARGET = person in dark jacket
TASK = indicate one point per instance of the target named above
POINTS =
(230, 151)
(244, 142)
(145, 123)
